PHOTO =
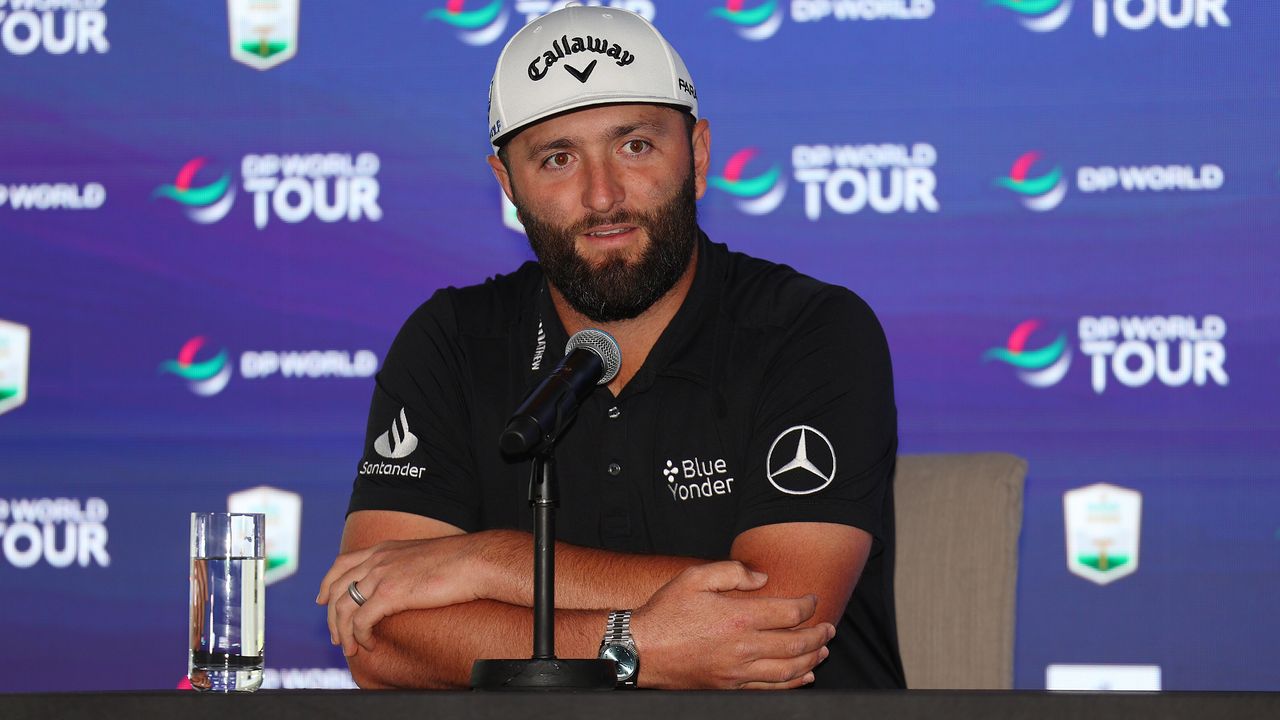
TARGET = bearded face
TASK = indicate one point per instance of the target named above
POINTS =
(618, 287)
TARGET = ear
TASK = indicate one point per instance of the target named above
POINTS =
(701, 156)
(501, 175)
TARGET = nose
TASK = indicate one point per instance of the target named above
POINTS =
(603, 190)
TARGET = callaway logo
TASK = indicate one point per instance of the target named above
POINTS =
(581, 75)
(398, 442)
(805, 462)
(564, 46)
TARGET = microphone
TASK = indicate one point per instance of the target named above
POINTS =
(591, 357)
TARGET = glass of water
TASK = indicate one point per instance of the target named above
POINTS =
(228, 560)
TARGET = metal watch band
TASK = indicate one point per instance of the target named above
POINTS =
(618, 627)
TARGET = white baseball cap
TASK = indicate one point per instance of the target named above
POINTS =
(580, 56)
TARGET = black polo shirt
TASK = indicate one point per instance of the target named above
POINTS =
(768, 399)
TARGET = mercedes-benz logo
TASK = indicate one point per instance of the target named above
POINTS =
(806, 462)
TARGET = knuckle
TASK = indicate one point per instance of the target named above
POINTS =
(798, 614)
(739, 622)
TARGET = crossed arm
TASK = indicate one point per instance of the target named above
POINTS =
(438, 599)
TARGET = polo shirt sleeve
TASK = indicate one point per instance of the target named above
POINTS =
(824, 438)
(417, 456)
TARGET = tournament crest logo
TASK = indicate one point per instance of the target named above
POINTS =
(1040, 368)
(206, 377)
(1040, 194)
(759, 195)
(1038, 15)
(205, 204)
(760, 22)
(15, 346)
(284, 526)
(1103, 524)
(264, 33)
(476, 27)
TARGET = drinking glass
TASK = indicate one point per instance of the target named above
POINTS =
(228, 561)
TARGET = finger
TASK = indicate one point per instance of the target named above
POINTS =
(725, 576)
(338, 590)
(341, 610)
(786, 644)
(781, 613)
(367, 616)
(376, 606)
(791, 672)
(341, 566)
(789, 685)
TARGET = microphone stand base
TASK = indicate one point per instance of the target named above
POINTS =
(548, 674)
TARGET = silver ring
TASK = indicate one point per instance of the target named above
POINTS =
(354, 592)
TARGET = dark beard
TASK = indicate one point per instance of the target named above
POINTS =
(618, 289)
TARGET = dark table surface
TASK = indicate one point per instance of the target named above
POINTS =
(801, 705)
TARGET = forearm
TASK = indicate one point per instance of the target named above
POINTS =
(435, 648)
(586, 578)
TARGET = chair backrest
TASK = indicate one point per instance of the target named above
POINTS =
(958, 518)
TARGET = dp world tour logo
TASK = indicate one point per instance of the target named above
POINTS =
(758, 23)
(1038, 15)
(1042, 367)
(757, 195)
(207, 377)
(205, 204)
(1040, 194)
(475, 27)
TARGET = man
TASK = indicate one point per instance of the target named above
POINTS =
(720, 498)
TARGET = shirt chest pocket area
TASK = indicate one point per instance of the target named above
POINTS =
(695, 487)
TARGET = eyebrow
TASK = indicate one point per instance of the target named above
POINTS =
(614, 133)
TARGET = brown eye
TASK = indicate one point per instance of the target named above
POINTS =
(558, 160)
(636, 147)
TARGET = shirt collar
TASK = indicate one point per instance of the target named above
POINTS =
(686, 347)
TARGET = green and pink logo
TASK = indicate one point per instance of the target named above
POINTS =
(204, 204)
(1042, 367)
(206, 377)
(1042, 193)
(760, 22)
(757, 195)
(475, 27)
(1038, 15)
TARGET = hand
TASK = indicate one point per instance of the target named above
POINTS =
(692, 634)
(396, 576)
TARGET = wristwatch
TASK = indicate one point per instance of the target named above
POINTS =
(619, 647)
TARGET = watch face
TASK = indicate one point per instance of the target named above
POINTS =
(625, 658)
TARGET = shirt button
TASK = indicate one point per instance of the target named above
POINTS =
(615, 469)
(614, 413)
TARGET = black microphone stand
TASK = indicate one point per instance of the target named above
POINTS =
(544, 671)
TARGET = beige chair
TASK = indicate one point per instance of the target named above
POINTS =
(958, 519)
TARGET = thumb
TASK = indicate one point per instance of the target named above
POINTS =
(729, 575)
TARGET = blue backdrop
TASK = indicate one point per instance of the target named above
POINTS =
(1064, 212)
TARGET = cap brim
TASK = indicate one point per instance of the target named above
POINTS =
(610, 98)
